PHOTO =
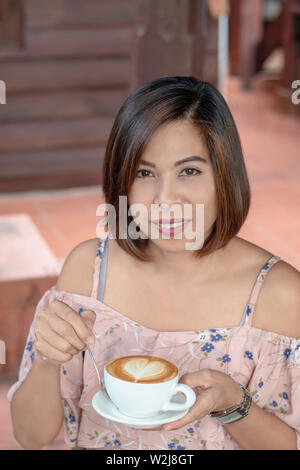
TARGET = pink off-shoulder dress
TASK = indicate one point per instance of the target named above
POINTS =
(266, 363)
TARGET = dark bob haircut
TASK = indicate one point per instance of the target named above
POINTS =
(143, 112)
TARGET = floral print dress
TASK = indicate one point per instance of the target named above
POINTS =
(266, 363)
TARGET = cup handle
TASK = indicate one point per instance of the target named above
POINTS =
(190, 398)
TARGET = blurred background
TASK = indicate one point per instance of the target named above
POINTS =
(66, 66)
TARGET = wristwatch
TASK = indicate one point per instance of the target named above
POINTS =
(234, 413)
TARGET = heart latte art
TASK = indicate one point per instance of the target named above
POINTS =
(143, 369)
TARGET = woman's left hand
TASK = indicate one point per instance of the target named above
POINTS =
(215, 391)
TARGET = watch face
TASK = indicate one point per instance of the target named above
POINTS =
(232, 417)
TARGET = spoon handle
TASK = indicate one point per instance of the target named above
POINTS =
(93, 360)
(95, 365)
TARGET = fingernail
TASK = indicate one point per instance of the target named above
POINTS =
(90, 340)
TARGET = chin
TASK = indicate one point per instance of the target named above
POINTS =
(172, 244)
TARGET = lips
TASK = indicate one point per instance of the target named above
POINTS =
(168, 221)
(172, 226)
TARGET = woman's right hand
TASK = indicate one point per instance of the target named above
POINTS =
(61, 332)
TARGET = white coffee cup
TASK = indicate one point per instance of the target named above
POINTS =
(143, 400)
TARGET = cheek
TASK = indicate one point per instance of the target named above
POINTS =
(210, 212)
(202, 192)
(140, 194)
(206, 196)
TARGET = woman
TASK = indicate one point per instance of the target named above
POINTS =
(173, 143)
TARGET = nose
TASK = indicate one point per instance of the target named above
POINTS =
(168, 200)
(167, 195)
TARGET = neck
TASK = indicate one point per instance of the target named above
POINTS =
(178, 266)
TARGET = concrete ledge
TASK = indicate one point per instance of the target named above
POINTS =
(27, 269)
(24, 253)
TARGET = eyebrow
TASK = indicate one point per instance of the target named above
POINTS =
(179, 162)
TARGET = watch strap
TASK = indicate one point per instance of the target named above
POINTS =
(234, 413)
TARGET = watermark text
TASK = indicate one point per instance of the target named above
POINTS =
(296, 95)
(155, 222)
(2, 92)
(2, 352)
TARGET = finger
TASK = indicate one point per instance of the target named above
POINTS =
(70, 316)
(50, 352)
(56, 341)
(203, 405)
(201, 378)
(65, 330)
(89, 316)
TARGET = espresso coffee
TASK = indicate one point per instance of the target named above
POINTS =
(142, 369)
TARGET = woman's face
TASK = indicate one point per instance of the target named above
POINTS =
(163, 181)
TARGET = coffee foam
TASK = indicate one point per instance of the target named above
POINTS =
(142, 369)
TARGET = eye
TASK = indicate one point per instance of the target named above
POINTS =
(143, 175)
(192, 169)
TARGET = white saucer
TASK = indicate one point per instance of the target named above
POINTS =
(105, 407)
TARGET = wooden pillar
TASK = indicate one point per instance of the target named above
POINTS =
(234, 36)
(11, 23)
(170, 38)
(251, 30)
(291, 8)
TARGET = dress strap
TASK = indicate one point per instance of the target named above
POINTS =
(97, 267)
(249, 310)
(103, 270)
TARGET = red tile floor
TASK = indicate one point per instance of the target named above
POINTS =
(270, 135)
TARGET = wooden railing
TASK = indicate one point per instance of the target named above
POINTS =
(252, 40)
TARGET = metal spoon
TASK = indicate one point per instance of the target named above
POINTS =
(95, 365)
(94, 362)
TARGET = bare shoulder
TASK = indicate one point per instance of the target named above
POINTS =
(251, 253)
(76, 275)
(278, 304)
